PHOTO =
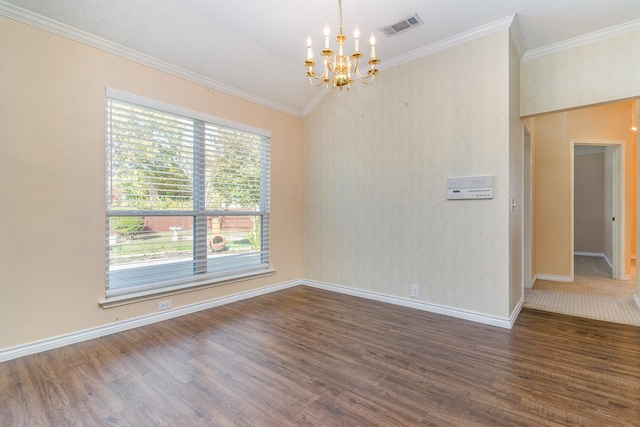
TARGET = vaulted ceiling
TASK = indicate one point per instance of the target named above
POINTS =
(255, 48)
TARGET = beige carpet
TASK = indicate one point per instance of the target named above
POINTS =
(593, 294)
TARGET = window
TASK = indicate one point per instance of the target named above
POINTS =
(187, 198)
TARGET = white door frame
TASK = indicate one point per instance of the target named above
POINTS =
(635, 121)
(527, 211)
(618, 203)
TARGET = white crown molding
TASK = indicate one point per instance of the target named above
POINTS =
(55, 27)
(516, 37)
(447, 43)
(501, 322)
(592, 37)
(314, 102)
(456, 40)
(123, 325)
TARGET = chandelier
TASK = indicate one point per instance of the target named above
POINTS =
(339, 69)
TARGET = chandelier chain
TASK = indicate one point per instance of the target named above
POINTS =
(340, 14)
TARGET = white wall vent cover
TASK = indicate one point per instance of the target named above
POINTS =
(402, 26)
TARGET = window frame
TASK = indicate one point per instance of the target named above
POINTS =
(200, 278)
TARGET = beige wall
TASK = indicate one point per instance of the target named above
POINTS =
(52, 190)
(552, 197)
(376, 162)
(553, 133)
(375, 168)
(601, 71)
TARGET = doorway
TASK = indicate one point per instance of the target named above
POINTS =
(600, 230)
(554, 137)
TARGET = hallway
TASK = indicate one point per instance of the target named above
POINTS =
(593, 294)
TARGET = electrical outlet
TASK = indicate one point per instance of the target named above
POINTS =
(414, 291)
(164, 305)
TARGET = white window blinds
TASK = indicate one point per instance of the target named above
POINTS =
(187, 197)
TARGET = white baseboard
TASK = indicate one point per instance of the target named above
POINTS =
(606, 258)
(533, 282)
(553, 278)
(502, 322)
(597, 254)
(516, 312)
(123, 325)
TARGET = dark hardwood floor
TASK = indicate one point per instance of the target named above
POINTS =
(307, 357)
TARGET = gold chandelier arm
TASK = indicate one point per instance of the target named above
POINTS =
(365, 79)
(371, 72)
(322, 78)
(320, 82)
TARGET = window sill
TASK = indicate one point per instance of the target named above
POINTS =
(145, 295)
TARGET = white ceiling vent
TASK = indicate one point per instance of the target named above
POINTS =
(402, 26)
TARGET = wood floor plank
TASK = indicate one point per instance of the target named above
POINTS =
(308, 357)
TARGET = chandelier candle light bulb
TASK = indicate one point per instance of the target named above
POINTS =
(326, 36)
(356, 42)
(372, 40)
(340, 68)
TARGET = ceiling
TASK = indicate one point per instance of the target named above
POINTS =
(256, 48)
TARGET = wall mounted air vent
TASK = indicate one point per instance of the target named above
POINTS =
(402, 26)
